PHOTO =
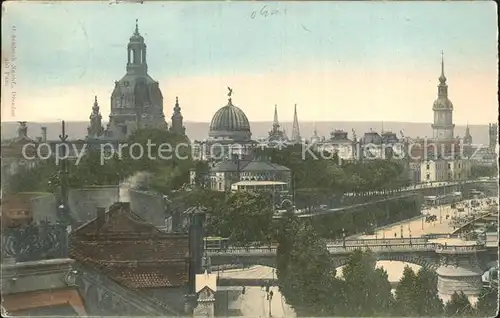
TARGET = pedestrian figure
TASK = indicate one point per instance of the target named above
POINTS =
(395, 235)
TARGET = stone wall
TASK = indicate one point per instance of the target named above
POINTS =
(84, 202)
(44, 208)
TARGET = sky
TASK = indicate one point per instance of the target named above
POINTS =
(338, 61)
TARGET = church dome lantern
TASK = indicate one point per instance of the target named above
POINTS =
(230, 122)
(136, 37)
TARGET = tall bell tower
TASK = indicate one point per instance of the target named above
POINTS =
(443, 127)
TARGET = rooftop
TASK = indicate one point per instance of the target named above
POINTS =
(130, 250)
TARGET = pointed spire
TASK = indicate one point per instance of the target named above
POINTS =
(177, 124)
(442, 78)
(295, 128)
(315, 131)
(95, 108)
(275, 121)
(177, 108)
(136, 27)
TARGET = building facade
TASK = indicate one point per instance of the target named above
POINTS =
(444, 170)
(224, 174)
(338, 143)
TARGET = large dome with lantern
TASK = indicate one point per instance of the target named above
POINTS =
(230, 122)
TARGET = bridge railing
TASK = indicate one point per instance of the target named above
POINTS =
(387, 241)
(384, 248)
(238, 250)
(460, 249)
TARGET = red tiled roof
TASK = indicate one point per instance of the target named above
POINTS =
(165, 276)
(131, 251)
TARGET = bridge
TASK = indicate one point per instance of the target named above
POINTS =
(380, 196)
(423, 251)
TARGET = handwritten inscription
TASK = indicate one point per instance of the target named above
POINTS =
(266, 12)
(10, 72)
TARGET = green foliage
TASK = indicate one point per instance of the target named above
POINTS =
(307, 279)
(487, 303)
(169, 164)
(243, 217)
(368, 291)
(33, 179)
(458, 306)
(405, 293)
(428, 302)
(314, 171)
(305, 271)
(417, 294)
(478, 171)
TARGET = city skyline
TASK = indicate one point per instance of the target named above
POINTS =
(335, 60)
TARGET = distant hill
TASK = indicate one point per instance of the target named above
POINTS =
(199, 131)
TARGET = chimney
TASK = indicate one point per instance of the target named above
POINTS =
(101, 217)
(44, 134)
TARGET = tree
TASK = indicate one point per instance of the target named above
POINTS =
(34, 179)
(458, 306)
(243, 217)
(487, 303)
(368, 291)
(417, 294)
(405, 293)
(428, 302)
(484, 171)
(305, 272)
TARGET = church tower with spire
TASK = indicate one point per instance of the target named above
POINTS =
(177, 125)
(95, 129)
(295, 128)
(468, 136)
(277, 134)
(136, 101)
(443, 126)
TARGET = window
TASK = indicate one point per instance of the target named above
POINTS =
(449, 166)
(428, 176)
(427, 166)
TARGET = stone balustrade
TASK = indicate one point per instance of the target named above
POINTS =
(375, 245)
(457, 249)
(385, 248)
